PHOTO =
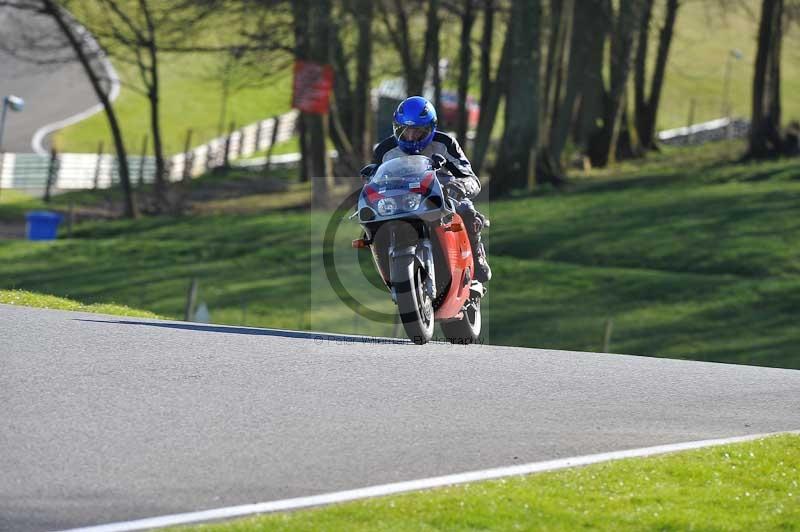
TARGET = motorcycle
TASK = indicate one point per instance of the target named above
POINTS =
(420, 248)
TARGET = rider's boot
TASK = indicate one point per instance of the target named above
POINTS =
(483, 273)
(475, 222)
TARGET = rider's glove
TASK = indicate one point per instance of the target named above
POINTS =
(456, 189)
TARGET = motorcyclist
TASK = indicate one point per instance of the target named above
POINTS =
(415, 133)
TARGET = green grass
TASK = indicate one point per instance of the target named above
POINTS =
(190, 98)
(14, 205)
(746, 486)
(30, 299)
(690, 254)
(696, 68)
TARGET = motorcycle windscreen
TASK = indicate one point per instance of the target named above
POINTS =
(402, 169)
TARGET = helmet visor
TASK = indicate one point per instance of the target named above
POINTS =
(411, 133)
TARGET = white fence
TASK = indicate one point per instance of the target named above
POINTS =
(72, 171)
(719, 129)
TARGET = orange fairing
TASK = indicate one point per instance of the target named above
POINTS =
(458, 254)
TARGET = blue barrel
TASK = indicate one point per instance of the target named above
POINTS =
(42, 225)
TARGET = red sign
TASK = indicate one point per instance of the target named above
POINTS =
(312, 87)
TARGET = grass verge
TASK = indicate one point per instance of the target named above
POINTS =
(745, 486)
(24, 298)
(689, 254)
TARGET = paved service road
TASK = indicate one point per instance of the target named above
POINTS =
(51, 92)
(107, 419)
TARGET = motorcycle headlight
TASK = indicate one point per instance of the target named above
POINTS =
(387, 206)
(411, 201)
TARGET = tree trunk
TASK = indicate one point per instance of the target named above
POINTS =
(553, 54)
(342, 88)
(591, 89)
(646, 119)
(401, 39)
(319, 164)
(548, 156)
(161, 200)
(580, 47)
(490, 106)
(301, 51)
(361, 141)
(465, 67)
(352, 103)
(415, 71)
(302, 138)
(765, 136)
(640, 63)
(432, 55)
(623, 48)
(487, 39)
(522, 118)
(129, 201)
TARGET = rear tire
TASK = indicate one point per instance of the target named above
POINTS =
(467, 330)
(413, 303)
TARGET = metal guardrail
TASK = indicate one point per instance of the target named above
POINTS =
(75, 171)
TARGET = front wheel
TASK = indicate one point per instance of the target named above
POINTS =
(413, 302)
(467, 330)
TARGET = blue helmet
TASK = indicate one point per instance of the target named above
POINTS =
(414, 124)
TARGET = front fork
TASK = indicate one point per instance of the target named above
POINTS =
(422, 250)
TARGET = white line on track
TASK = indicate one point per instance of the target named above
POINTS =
(94, 47)
(411, 485)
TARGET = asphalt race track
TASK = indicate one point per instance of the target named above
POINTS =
(107, 419)
(51, 92)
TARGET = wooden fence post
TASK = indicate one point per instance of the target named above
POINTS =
(97, 166)
(690, 119)
(609, 328)
(142, 160)
(226, 155)
(52, 172)
(276, 122)
(191, 300)
(188, 156)
(259, 125)
(210, 156)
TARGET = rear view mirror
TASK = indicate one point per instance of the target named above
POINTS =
(368, 171)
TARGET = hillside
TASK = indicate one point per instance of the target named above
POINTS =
(688, 254)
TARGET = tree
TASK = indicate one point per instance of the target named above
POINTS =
(312, 43)
(90, 58)
(415, 67)
(646, 106)
(464, 67)
(522, 97)
(492, 88)
(558, 96)
(583, 83)
(765, 135)
(603, 144)
(351, 110)
(138, 32)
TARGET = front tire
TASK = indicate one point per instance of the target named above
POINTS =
(467, 330)
(413, 302)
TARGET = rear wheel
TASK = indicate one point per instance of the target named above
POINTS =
(467, 330)
(413, 302)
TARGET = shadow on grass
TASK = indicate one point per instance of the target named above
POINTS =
(317, 337)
